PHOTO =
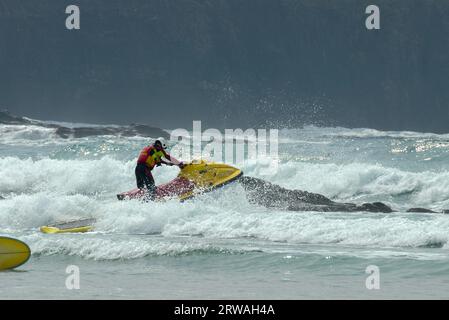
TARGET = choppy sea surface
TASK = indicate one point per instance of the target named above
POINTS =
(219, 245)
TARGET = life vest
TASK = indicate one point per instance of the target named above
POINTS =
(150, 156)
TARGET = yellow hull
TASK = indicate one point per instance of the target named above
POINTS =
(207, 176)
(13, 253)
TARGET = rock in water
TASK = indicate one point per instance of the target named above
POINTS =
(8, 118)
(421, 210)
(126, 131)
(87, 131)
(270, 195)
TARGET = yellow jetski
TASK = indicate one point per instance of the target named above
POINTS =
(195, 178)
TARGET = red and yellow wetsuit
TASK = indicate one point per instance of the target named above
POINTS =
(150, 157)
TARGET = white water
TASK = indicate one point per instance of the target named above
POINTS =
(44, 179)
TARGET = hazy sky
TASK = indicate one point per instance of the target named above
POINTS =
(228, 63)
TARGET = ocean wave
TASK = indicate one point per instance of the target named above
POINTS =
(354, 182)
(317, 228)
(64, 176)
(96, 248)
(70, 183)
(222, 214)
(362, 133)
(18, 130)
(24, 134)
(361, 182)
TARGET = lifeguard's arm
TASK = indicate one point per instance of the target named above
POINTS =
(171, 159)
(167, 163)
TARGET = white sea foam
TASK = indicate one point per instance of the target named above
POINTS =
(100, 248)
(341, 132)
(80, 177)
(222, 214)
(25, 134)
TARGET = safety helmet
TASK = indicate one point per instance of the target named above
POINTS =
(160, 143)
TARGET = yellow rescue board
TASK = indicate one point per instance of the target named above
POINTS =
(75, 226)
(13, 253)
(208, 175)
(46, 229)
